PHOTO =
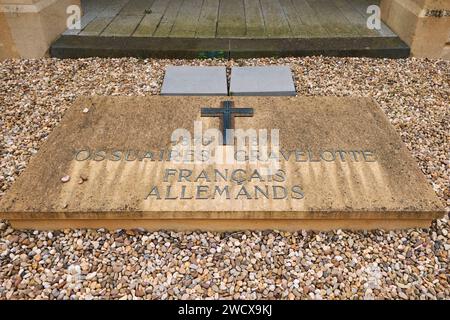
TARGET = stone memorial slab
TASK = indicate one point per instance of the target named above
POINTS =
(262, 81)
(195, 81)
(160, 162)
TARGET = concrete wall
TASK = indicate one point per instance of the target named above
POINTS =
(423, 24)
(28, 27)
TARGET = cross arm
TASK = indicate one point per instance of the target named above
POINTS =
(212, 112)
(243, 112)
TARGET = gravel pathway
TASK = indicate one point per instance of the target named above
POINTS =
(92, 264)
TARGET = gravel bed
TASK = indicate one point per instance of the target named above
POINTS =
(134, 264)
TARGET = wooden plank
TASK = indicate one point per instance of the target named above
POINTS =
(122, 26)
(94, 6)
(104, 18)
(331, 18)
(96, 26)
(355, 18)
(148, 25)
(136, 7)
(186, 22)
(151, 20)
(112, 9)
(84, 21)
(231, 22)
(168, 18)
(128, 19)
(296, 25)
(274, 19)
(159, 6)
(362, 5)
(207, 23)
(309, 19)
(254, 19)
(91, 11)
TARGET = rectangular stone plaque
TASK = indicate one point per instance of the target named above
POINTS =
(145, 162)
(262, 81)
(195, 81)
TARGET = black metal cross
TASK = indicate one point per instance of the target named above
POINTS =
(227, 113)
